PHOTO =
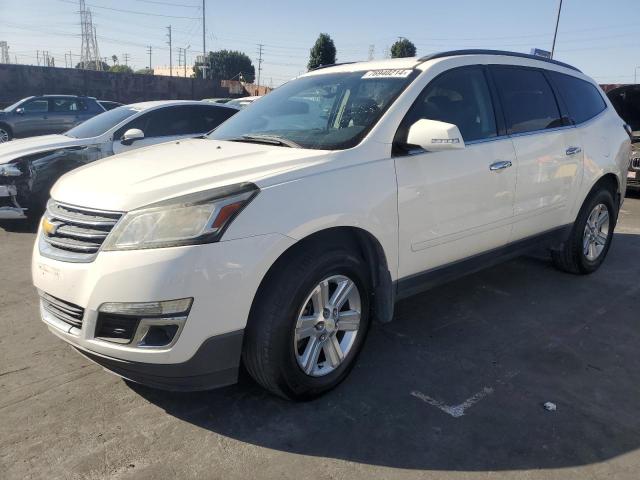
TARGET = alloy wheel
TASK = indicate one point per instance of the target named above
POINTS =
(596, 232)
(327, 325)
(4, 136)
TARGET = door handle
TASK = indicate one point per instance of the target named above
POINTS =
(500, 165)
(573, 150)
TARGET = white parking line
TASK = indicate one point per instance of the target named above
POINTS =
(455, 411)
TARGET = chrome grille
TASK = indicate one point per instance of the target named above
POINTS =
(64, 311)
(635, 163)
(75, 233)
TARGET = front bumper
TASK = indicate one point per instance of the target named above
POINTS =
(222, 278)
(9, 208)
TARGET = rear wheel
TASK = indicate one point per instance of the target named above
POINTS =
(590, 237)
(308, 323)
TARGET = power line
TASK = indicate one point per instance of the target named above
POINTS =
(168, 3)
(133, 12)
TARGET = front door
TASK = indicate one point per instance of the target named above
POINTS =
(458, 203)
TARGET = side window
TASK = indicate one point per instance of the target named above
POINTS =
(36, 106)
(65, 105)
(169, 121)
(527, 98)
(583, 99)
(139, 122)
(461, 97)
(205, 118)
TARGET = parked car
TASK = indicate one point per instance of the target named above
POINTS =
(280, 236)
(241, 103)
(29, 167)
(626, 100)
(46, 114)
(109, 105)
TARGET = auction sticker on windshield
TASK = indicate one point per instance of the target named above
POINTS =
(388, 73)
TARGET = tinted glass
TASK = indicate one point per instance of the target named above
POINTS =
(68, 105)
(36, 106)
(324, 111)
(102, 123)
(626, 101)
(582, 98)
(460, 97)
(204, 118)
(528, 101)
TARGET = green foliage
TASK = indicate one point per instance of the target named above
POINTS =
(403, 48)
(144, 71)
(227, 65)
(322, 53)
(114, 59)
(92, 66)
(120, 69)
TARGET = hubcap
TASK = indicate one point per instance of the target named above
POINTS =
(327, 325)
(596, 232)
(4, 136)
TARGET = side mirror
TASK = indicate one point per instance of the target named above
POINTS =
(435, 136)
(19, 111)
(131, 136)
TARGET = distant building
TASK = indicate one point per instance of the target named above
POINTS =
(165, 71)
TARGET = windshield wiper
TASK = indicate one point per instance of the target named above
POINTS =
(267, 139)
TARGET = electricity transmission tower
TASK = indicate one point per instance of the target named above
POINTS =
(89, 53)
(4, 52)
(260, 45)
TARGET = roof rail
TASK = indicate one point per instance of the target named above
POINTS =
(455, 53)
(330, 65)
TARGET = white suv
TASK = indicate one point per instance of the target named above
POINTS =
(279, 237)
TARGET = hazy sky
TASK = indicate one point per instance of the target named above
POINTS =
(601, 38)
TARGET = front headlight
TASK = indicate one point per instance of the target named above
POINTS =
(9, 171)
(188, 220)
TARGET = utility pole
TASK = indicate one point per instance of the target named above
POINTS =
(204, 44)
(149, 48)
(260, 45)
(170, 52)
(126, 58)
(372, 49)
(555, 34)
(185, 59)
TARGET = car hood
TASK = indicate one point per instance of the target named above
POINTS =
(148, 175)
(14, 149)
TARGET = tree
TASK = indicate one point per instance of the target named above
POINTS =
(92, 66)
(114, 59)
(403, 48)
(322, 53)
(227, 65)
(120, 69)
(144, 71)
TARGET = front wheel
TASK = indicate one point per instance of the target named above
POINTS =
(309, 323)
(590, 237)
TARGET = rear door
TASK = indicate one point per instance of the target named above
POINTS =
(547, 148)
(452, 204)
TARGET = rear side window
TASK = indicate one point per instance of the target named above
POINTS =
(68, 105)
(582, 98)
(527, 99)
(461, 97)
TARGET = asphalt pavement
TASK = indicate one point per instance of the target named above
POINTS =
(453, 388)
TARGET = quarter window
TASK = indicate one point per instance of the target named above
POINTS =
(36, 106)
(460, 97)
(528, 101)
(583, 99)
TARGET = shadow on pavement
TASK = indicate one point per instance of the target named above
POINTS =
(509, 338)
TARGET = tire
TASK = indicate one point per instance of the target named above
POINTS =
(5, 134)
(286, 306)
(576, 255)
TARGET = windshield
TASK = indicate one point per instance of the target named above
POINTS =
(100, 124)
(328, 111)
(15, 105)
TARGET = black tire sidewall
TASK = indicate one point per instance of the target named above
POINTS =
(600, 197)
(292, 379)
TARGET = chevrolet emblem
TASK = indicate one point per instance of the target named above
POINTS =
(49, 227)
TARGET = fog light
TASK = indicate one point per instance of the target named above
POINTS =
(149, 309)
(143, 324)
